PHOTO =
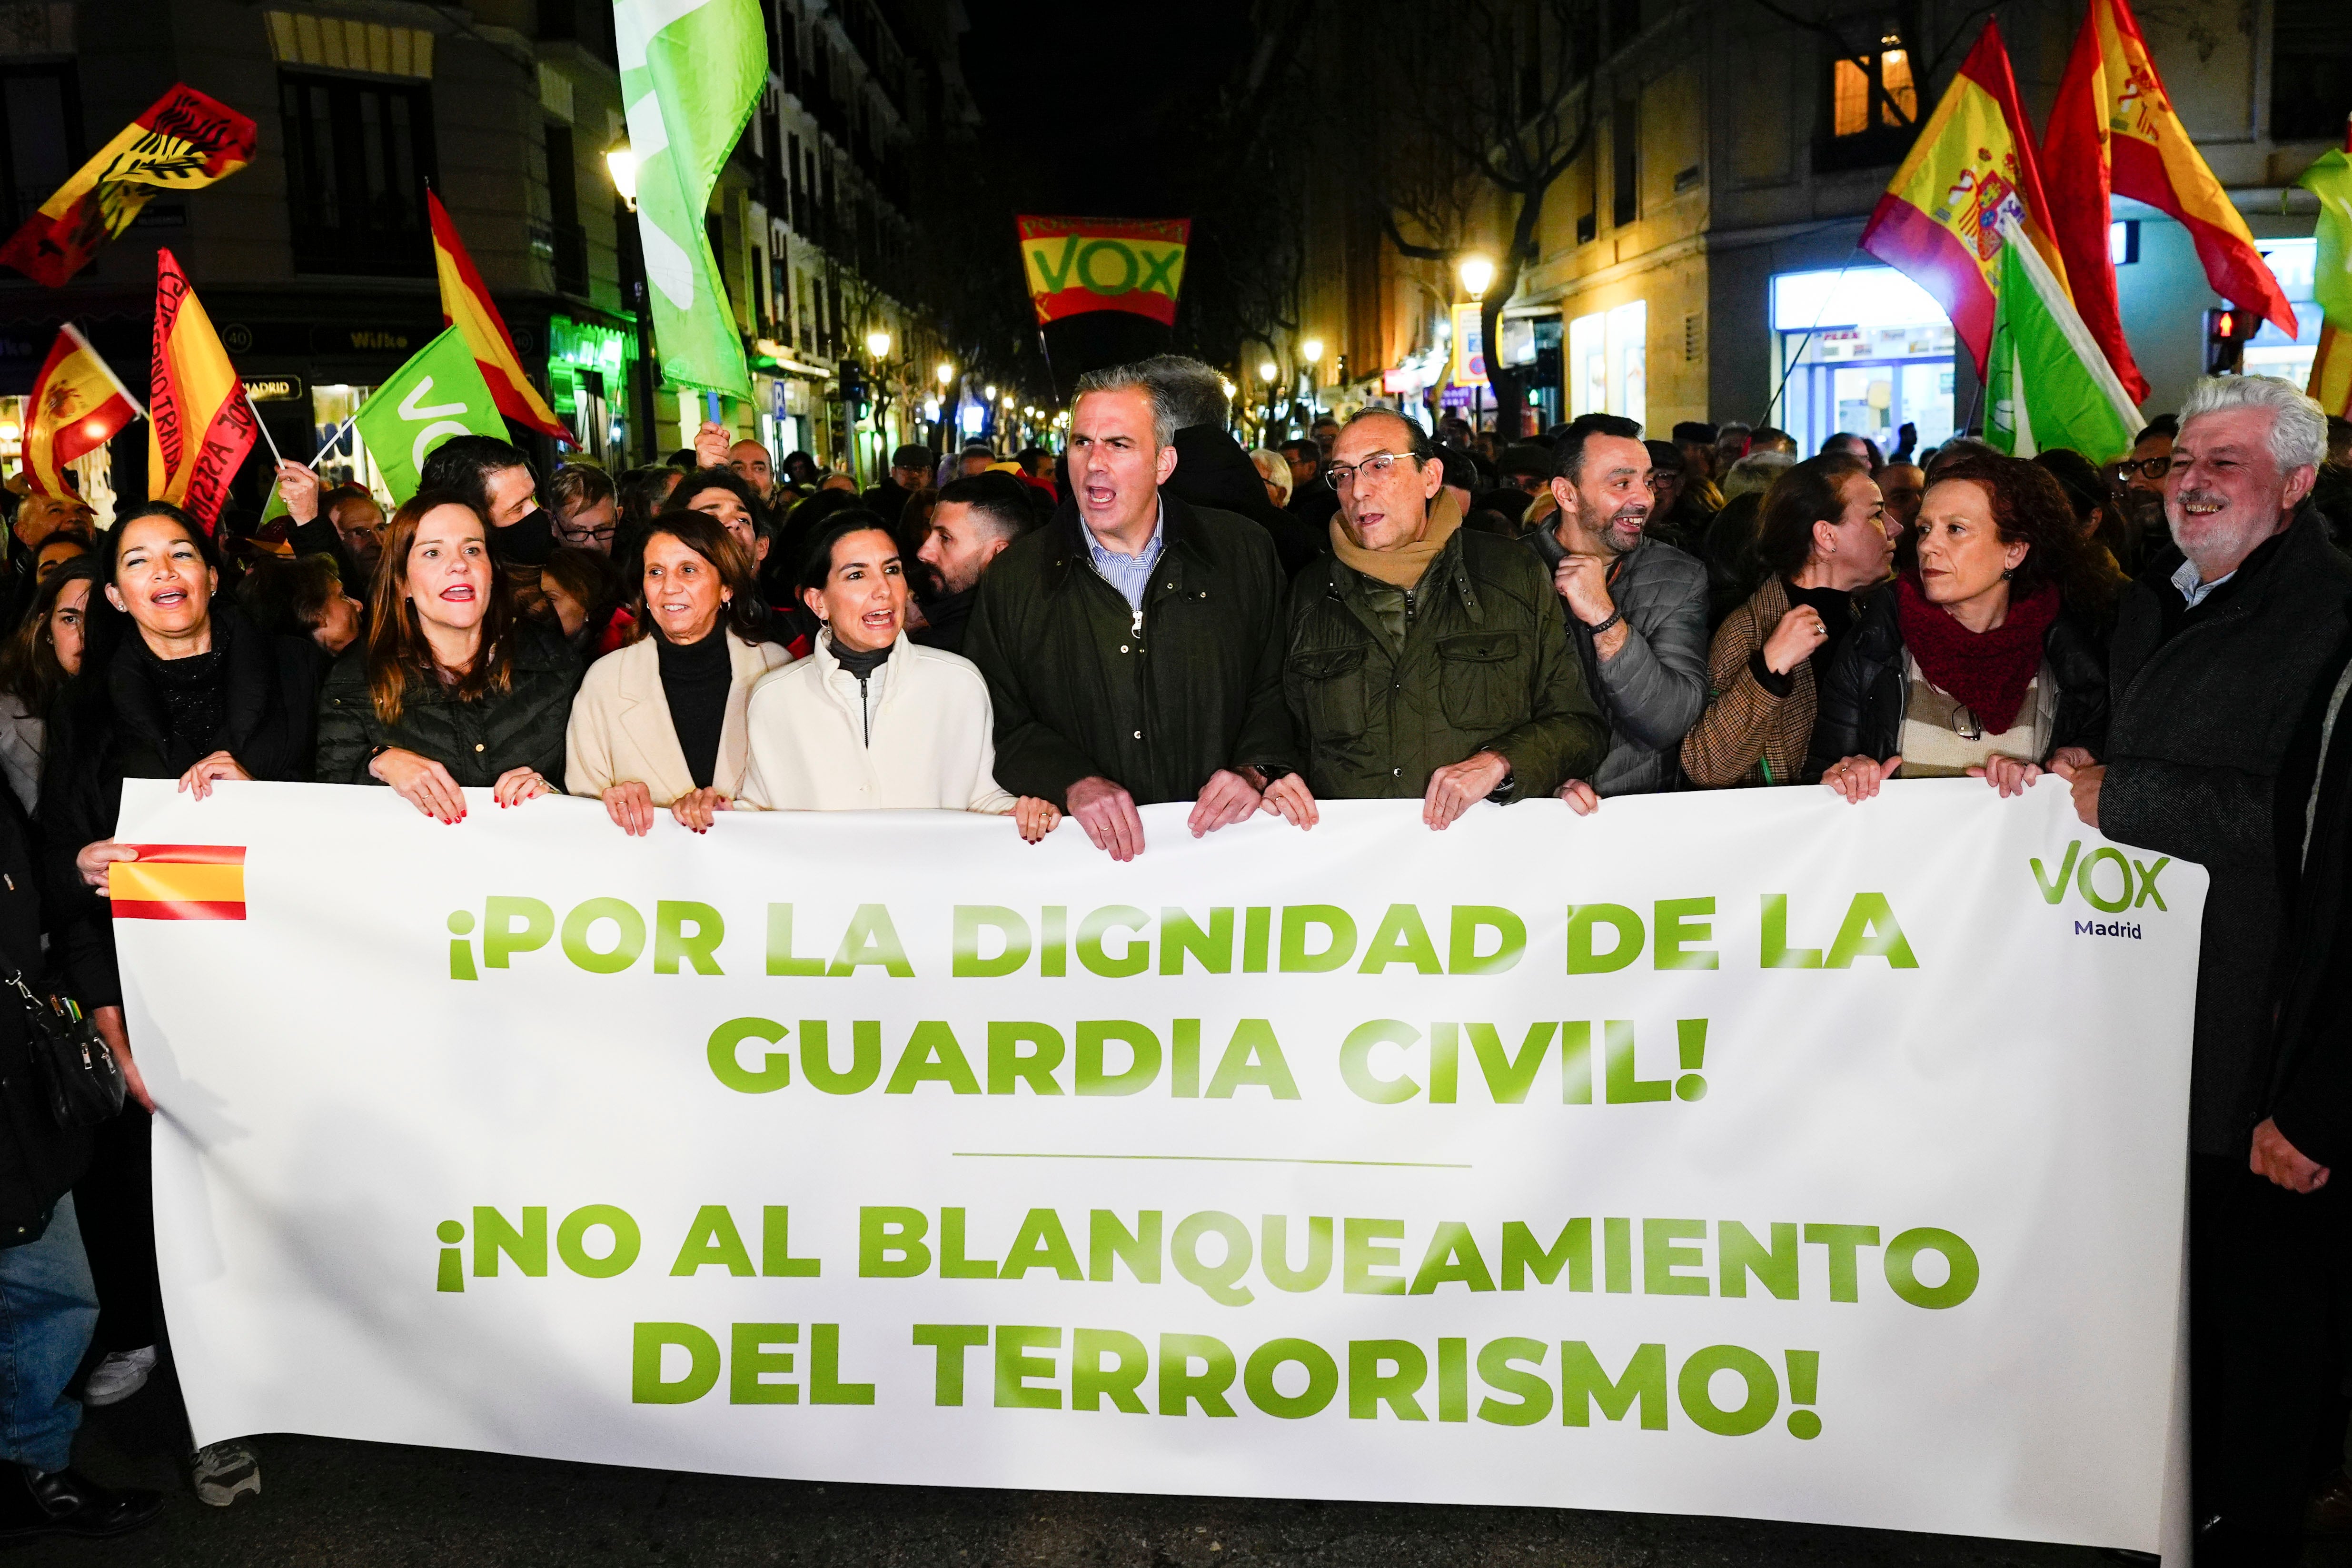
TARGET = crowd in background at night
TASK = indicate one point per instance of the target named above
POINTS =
(1370, 610)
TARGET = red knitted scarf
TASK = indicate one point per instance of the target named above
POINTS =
(1988, 671)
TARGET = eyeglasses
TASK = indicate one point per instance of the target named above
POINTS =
(1374, 468)
(587, 535)
(2146, 467)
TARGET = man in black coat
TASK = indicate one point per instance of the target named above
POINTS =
(1133, 645)
(2221, 657)
(50, 1304)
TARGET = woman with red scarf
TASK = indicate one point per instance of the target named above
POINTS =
(1977, 661)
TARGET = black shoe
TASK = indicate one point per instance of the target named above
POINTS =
(64, 1503)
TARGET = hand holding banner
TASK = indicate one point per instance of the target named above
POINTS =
(1745, 1153)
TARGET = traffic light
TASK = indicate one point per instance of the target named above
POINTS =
(2226, 331)
(853, 388)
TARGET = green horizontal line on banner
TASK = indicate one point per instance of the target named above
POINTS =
(1223, 1159)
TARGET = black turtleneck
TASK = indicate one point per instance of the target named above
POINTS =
(862, 666)
(696, 678)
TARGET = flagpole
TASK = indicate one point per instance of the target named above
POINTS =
(274, 454)
(1790, 368)
(338, 436)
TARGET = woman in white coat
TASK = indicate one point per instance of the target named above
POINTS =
(661, 723)
(870, 722)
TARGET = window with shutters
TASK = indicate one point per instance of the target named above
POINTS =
(358, 155)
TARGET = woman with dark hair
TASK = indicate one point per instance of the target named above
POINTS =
(661, 723)
(1979, 663)
(303, 597)
(453, 691)
(2098, 509)
(44, 654)
(872, 722)
(725, 496)
(584, 592)
(176, 683)
(1822, 536)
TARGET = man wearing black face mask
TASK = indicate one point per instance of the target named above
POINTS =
(496, 481)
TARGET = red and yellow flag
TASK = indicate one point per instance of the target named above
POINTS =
(465, 305)
(1080, 264)
(184, 142)
(78, 403)
(1940, 221)
(2114, 128)
(179, 883)
(199, 424)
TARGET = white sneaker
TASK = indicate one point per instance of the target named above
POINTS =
(222, 1470)
(122, 1374)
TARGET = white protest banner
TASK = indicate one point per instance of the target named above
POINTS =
(1746, 1154)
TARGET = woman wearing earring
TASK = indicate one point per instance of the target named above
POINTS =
(659, 724)
(871, 721)
(1977, 663)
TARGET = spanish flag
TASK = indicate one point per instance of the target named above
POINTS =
(179, 883)
(1940, 221)
(199, 424)
(465, 305)
(76, 404)
(184, 142)
(2114, 128)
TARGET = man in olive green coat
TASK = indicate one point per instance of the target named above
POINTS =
(1426, 660)
(1133, 645)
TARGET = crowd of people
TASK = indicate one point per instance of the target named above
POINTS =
(1156, 615)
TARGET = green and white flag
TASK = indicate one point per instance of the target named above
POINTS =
(439, 393)
(691, 72)
(2048, 384)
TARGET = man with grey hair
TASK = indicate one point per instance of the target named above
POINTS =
(1133, 645)
(2221, 653)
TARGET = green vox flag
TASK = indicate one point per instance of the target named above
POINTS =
(2047, 383)
(439, 393)
(691, 72)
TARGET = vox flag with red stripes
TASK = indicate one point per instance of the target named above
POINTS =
(185, 141)
(1939, 222)
(465, 305)
(78, 403)
(179, 883)
(2112, 129)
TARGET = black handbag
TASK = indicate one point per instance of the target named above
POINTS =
(77, 1067)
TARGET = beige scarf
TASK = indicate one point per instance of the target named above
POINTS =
(1403, 566)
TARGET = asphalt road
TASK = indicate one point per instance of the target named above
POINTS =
(366, 1505)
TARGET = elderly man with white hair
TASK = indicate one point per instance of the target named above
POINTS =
(2224, 647)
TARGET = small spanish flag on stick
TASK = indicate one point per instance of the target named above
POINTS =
(179, 883)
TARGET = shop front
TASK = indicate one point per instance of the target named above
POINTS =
(1863, 351)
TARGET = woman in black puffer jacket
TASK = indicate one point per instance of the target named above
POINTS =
(452, 691)
(176, 683)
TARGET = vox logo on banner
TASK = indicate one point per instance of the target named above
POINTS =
(437, 395)
(1080, 264)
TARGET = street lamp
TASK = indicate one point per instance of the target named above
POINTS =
(990, 392)
(878, 343)
(1267, 371)
(621, 163)
(1476, 273)
(946, 372)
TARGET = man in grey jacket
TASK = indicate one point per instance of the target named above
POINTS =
(1636, 607)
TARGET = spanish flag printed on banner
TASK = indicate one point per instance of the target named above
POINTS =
(465, 305)
(179, 883)
(1940, 221)
(199, 424)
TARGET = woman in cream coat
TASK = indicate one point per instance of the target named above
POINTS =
(661, 723)
(871, 721)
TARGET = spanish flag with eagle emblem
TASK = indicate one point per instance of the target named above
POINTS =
(1939, 222)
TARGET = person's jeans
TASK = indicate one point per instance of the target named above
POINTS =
(48, 1309)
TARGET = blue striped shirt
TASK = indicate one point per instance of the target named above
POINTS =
(1131, 575)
